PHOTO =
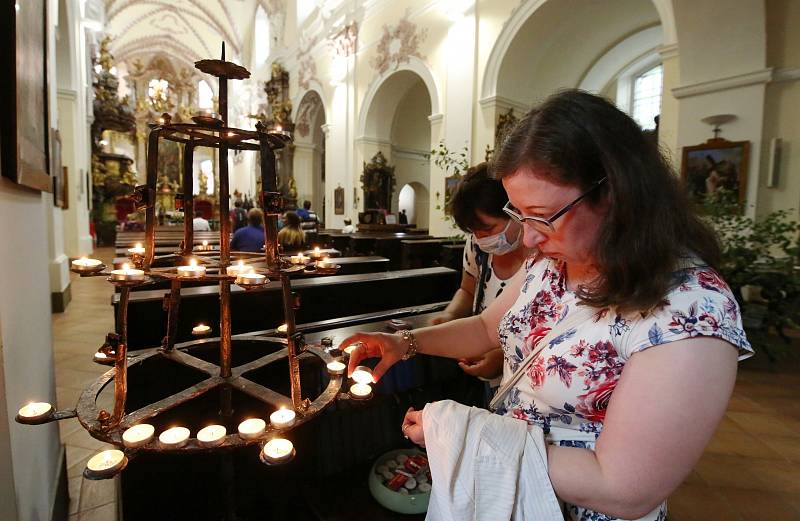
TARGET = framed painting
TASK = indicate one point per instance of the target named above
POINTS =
(25, 131)
(716, 165)
(450, 185)
(338, 200)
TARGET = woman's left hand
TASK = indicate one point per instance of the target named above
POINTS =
(412, 427)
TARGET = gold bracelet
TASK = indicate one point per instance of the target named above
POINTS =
(409, 337)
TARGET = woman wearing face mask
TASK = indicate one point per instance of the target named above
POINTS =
(493, 257)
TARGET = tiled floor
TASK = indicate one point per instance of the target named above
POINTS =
(750, 471)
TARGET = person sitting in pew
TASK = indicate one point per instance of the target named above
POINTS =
(291, 237)
(493, 257)
(251, 237)
(348, 226)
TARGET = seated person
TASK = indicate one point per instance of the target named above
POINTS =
(348, 226)
(200, 225)
(291, 237)
(251, 237)
(493, 256)
(304, 212)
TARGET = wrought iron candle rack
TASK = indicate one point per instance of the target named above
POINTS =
(208, 130)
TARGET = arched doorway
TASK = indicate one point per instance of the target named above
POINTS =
(309, 153)
(414, 198)
(396, 124)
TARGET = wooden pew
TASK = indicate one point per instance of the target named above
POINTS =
(322, 298)
(452, 256)
(419, 253)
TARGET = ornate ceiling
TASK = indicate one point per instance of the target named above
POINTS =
(187, 30)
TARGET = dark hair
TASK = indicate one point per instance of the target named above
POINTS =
(237, 204)
(477, 191)
(307, 205)
(578, 138)
(292, 220)
(348, 222)
(255, 217)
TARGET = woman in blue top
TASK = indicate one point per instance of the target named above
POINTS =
(251, 237)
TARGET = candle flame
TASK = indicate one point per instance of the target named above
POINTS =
(241, 263)
(205, 243)
(138, 245)
(193, 263)
(126, 267)
(84, 259)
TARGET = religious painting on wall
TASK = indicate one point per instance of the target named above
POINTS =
(25, 131)
(338, 200)
(717, 167)
(450, 185)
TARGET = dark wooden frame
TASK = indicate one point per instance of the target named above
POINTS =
(23, 161)
(711, 146)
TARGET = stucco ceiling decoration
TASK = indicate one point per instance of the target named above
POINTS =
(189, 30)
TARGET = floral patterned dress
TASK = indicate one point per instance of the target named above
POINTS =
(568, 386)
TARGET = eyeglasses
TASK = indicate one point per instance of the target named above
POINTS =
(541, 224)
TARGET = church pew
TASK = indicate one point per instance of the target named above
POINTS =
(322, 298)
(452, 256)
(419, 253)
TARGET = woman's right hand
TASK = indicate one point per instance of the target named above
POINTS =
(389, 348)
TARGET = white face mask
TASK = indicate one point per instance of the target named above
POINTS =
(498, 244)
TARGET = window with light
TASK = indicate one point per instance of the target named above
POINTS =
(647, 97)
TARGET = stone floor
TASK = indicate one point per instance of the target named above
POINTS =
(750, 471)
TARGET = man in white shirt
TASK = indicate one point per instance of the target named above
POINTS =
(200, 225)
(348, 226)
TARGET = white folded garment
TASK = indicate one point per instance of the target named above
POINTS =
(486, 467)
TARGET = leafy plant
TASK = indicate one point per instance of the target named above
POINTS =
(760, 253)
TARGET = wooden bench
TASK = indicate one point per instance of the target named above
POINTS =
(322, 298)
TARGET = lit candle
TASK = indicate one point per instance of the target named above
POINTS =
(252, 428)
(201, 330)
(316, 253)
(101, 358)
(336, 368)
(192, 271)
(106, 463)
(211, 436)
(86, 264)
(298, 259)
(324, 263)
(283, 328)
(174, 438)
(283, 418)
(205, 245)
(360, 391)
(36, 411)
(127, 274)
(362, 374)
(236, 269)
(278, 450)
(138, 435)
(352, 347)
(137, 249)
(278, 128)
(250, 279)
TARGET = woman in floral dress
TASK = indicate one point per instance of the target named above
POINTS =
(629, 396)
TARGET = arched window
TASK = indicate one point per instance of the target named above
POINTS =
(205, 96)
(646, 99)
(260, 38)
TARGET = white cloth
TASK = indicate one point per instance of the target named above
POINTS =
(200, 225)
(486, 467)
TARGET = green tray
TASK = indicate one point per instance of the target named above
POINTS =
(395, 501)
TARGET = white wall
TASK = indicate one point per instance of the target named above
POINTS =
(27, 345)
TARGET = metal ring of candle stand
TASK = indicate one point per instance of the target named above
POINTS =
(88, 410)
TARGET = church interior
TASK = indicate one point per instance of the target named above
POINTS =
(201, 200)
